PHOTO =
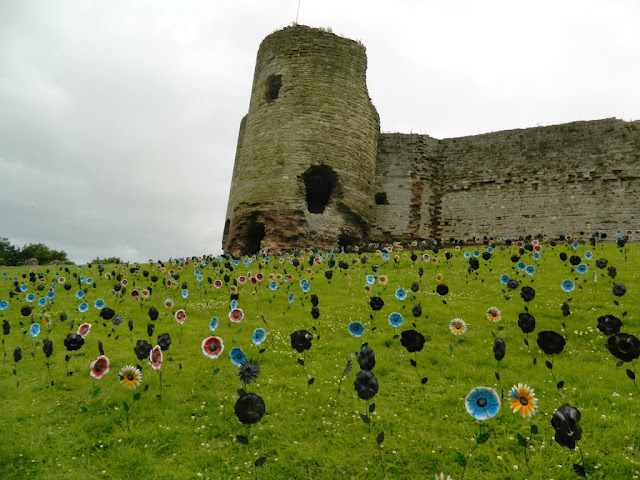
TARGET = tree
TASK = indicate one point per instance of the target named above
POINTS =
(43, 253)
(106, 261)
(9, 254)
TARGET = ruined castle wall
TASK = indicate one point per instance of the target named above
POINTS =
(580, 176)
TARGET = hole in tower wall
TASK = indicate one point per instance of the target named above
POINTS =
(381, 198)
(274, 83)
(319, 182)
(255, 235)
(347, 241)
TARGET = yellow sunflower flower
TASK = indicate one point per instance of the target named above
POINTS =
(130, 377)
(523, 400)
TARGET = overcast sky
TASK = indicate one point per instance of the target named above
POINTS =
(119, 119)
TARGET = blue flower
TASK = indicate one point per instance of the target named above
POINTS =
(196, 272)
(489, 249)
(306, 287)
(582, 268)
(504, 279)
(530, 269)
(80, 294)
(30, 297)
(385, 256)
(521, 265)
(199, 278)
(588, 255)
(575, 245)
(99, 304)
(258, 336)
(236, 262)
(24, 288)
(395, 319)
(536, 256)
(568, 286)
(50, 295)
(89, 281)
(370, 279)
(83, 307)
(82, 279)
(476, 253)
(356, 329)
(185, 293)
(273, 285)
(237, 356)
(4, 305)
(34, 330)
(213, 324)
(482, 403)
(291, 298)
(233, 304)
(401, 294)
(42, 301)
(467, 255)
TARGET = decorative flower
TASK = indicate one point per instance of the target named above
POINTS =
(366, 358)
(168, 303)
(565, 421)
(180, 316)
(99, 304)
(442, 289)
(457, 326)
(624, 347)
(236, 315)
(99, 367)
(499, 349)
(73, 342)
(551, 342)
(259, 334)
(155, 357)
(527, 293)
(153, 313)
(618, 289)
(237, 356)
(416, 310)
(366, 385)
(494, 314)
(249, 408)
(83, 307)
(34, 330)
(107, 313)
(356, 329)
(412, 340)
(566, 310)
(582, 268)
(301, 340)
(376, 303)
(47, 347)
(568, 286)
(609, 325)
(482, 403)
(526, 322)
(142, 349)
(248, 372)
(401, 294)
(130, 377)
(395, 319)
(83, 329)
(17, 354)
(212, 347)
(164, 341)
(523, 400)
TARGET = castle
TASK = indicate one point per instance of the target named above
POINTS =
(313, 170)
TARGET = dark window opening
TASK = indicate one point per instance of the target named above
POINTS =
(319, 182)
(381, 199)
(274, 82)
(347, 242)
(255, 235)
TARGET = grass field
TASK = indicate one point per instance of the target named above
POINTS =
(58, 422)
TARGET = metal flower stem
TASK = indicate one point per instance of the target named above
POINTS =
(551, 369)
(582, 457)
(415, 354)
(4, 358)
(634, 376)
(500, 381)
(381, 460)
(48, 364)
(469, 454)
(255, 469)
(160, 377)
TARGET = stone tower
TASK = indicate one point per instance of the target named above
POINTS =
(306, 156)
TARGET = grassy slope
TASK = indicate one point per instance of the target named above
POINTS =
(65, 432)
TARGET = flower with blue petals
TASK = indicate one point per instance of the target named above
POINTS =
(185, 293)
(50, 295)
(199, 278)
(30, 297)
(80, 294)
(504, 279)
(467, 254)
(370, 280)
(521, 265)
(24, 288)
(259, 334)
(530, 269)
(237, 356)
(476, 253)
(401, 294)
(575, 245)
(89, 281)
(291, 298)
(273, 285)
(356, 329)
(83, 307)
(305, 287)
(196, 272)
(482, 403)
(42, 301)
(4, 305)
(582, 268)
(34, 330)
(588, 255)
(82, 279)
(568, 286)
(536, 256)
(213, 324)
(395, 319)
(233, 304)
(99, 304)
(385, 256)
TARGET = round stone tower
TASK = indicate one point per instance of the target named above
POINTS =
(306, 155)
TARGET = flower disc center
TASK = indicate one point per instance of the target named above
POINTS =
(482, 402)
(524, 400)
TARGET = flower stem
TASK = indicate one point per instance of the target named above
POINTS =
(582, 457)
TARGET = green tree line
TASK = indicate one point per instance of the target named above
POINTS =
(12, 255)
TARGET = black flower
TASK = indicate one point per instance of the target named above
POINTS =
(153, 313)
(499, 348)
(63, 316)
(47, 347)
(315, 312)
(116, 321)
(249, 408)
(6, 327)
(314, 299)
(563, 256)
(301, 340)
(73, 342)
(412, 340)
(602, 263)
(612, 272)
(376, 303)
(565, 309)
(17, 354)
(366, 384)
(624, 347)
(513, 284)
(526, 322)
(474, 264)
(164, 341)
(442, 289)
(130, 324)
(609, 325)
(416, 310)
(415, 287)
(527, 293)
(150, 327)
(575, 260)
(618, 289)
(107, 313)
(25, 311)
(142, 349)
(249, 371)
(565, 422)
(328, 274)
(551, 342)
(366, 358)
